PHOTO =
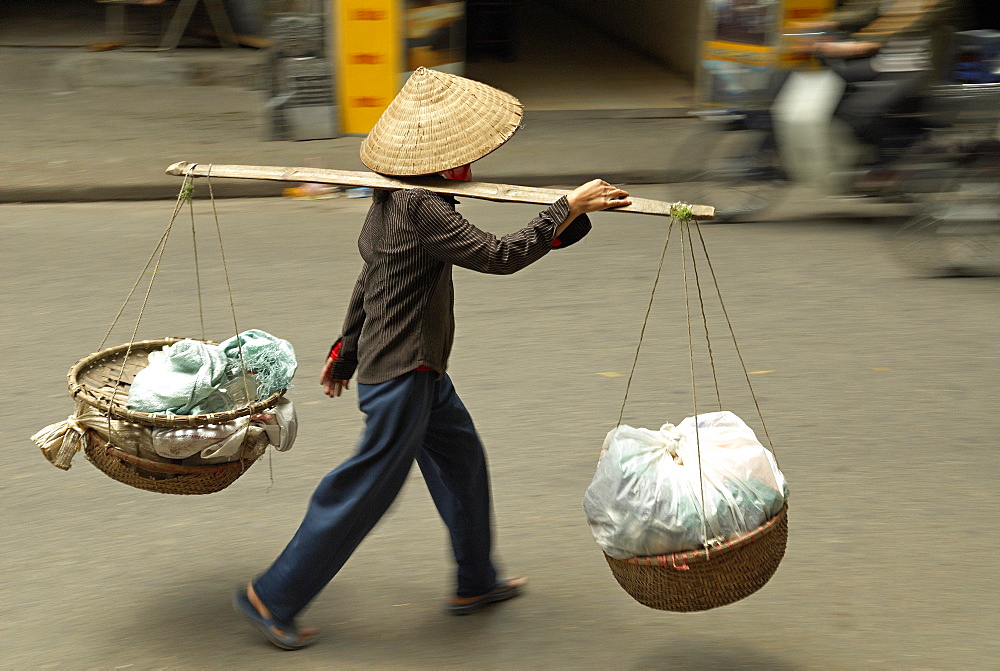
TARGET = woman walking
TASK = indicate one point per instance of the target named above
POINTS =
(397, 338)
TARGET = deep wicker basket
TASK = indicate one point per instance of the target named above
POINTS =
(162, 477)
(689, 581)
(90, 381)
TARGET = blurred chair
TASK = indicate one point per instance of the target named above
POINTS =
(180, 15)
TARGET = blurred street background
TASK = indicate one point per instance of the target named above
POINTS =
(878, 383)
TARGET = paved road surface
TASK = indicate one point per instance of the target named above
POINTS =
(879, 391)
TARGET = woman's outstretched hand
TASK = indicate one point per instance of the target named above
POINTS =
(594, 196)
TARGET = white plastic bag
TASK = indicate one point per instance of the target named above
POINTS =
(646, 497)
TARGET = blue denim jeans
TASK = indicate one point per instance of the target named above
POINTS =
(418, 417)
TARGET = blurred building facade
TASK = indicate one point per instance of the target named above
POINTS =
(665, 31)
(369, 46)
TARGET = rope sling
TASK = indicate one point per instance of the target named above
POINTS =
(714, 575)
(99, 382)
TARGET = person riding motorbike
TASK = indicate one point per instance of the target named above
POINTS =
(895, 49)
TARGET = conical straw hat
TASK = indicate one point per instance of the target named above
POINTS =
(439, 121)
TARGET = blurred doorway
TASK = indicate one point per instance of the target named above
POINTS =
(551, 60)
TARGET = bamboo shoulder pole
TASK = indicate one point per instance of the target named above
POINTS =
(483, 190)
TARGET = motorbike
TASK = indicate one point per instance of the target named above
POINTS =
(946, 169)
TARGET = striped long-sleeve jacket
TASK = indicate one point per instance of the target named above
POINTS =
(401, 312)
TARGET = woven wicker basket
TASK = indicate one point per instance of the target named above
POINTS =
(688, 581)
(90, 380)
(160, 477)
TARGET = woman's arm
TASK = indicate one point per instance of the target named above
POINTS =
(448, 236)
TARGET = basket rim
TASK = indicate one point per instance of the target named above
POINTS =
(119, 411)
(688, 557)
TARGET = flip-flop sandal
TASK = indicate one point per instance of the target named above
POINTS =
(288, 639)
(501, 592)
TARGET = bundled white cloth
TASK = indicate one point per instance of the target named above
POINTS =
(280, 423)
(646, 497)
(223, 442)
(207, 441)
(207, 444)
(61, 441)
